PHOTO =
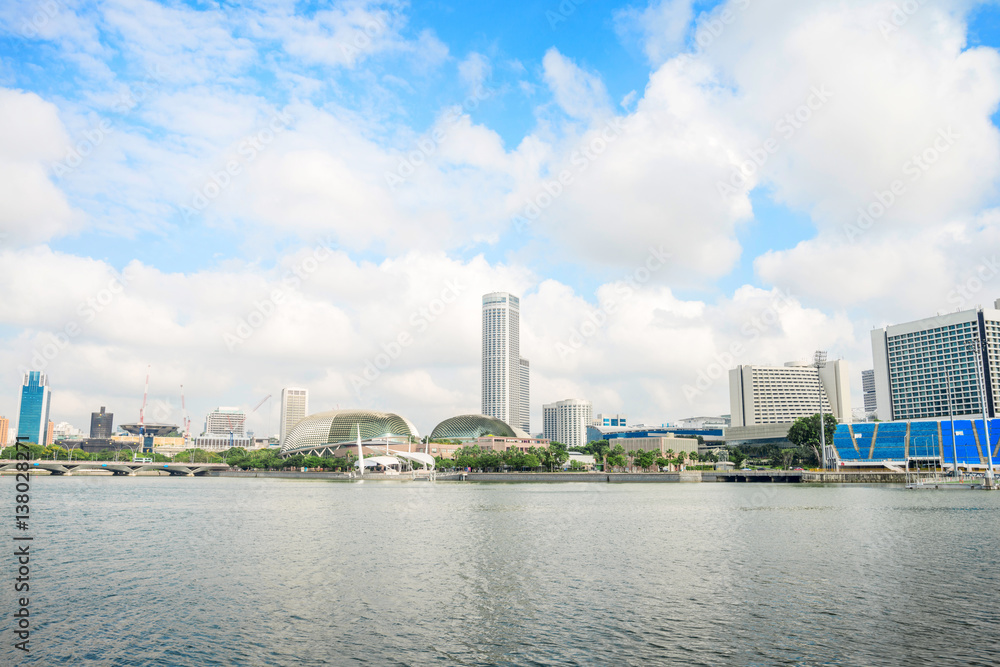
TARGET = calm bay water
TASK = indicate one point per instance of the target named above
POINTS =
(156, 571)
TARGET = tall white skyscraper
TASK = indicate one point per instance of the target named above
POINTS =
(525, 424)
(502, 357)
(294, 407)
(782, 394)
(567, 421)
(868, 387)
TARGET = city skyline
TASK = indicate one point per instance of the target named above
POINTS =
(245, 209)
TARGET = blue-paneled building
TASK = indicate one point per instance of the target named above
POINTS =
(33, 408)
(894, 442)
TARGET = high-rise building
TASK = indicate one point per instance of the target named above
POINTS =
(913, 363)
(4, 431)
(502, 357)
(223, 421)
(102, 424)
(782, 394)
(868, 387)
(567, 421)
(50, 433)
(525, 395)
(33, 408)
(294, 408)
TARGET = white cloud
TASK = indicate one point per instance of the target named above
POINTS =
(579, 93)
(661, 27)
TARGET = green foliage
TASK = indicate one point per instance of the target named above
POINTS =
(644, 459)
(197, 455)
(34, 451)
(804, 434)
(737, 457)
(616, 458)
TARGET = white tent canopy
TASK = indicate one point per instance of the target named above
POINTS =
(419, 457)
(372, 461)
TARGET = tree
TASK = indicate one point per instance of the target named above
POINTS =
(558, 454)
(616, 458)
(644, 459)
(662, 462)
(599, 449)
(737, 457)
(804, 433)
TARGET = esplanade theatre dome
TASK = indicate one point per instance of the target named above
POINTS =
(341, 426)
(470, 427)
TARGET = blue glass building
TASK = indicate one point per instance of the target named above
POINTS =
(33, 408)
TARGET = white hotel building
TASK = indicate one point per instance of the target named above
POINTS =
(294, 408)
(567, 421)
(782, 394)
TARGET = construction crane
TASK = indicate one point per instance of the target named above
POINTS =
(261, 402)
(185, 421)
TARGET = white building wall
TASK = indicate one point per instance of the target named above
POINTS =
(782, 394)
(566, 421)
(501, 370)
(294, 408)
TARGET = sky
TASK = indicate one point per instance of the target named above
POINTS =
(240, 197)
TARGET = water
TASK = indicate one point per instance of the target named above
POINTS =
(178, 571)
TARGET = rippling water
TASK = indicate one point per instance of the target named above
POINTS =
(158, 571)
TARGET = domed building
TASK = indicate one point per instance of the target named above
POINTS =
(323, 433)
(472, 427)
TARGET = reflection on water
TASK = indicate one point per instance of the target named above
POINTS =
(146, 571)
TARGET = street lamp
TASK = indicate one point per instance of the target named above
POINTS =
(820, 363)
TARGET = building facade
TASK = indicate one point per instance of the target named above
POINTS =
(609, 420)
(502, 357)
(4, 431)
(782, 394)
(294, 408)
(567, 421)
(102, 424)
(223, 421)
(33, 408)
(525, 412)
(918, 363)
(868, 387)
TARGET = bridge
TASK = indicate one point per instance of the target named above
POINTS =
(126, 468)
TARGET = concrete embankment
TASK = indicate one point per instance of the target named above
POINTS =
(754, 476)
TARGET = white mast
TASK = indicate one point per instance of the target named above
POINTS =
(361, 456)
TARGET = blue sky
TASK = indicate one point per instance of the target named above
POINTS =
(552, 82)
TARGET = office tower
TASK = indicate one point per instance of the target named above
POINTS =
(223, 421)
(525, 411)
(33, 408)
(782, 394)
(101, 424)
(4, 431)
(49, 433)
(914, 362)
(567, 421)
(502, 357)
(868, 387)
(294, 408)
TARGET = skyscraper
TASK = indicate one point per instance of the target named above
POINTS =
(525, 424)
(567, 421)
(502, 357)
(4, 424)
(868, 387)
(294, 408)
(33, 408)
(101, 424)
(916, 362)
(782, 394)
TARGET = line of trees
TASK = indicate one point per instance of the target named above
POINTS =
(477, 458)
